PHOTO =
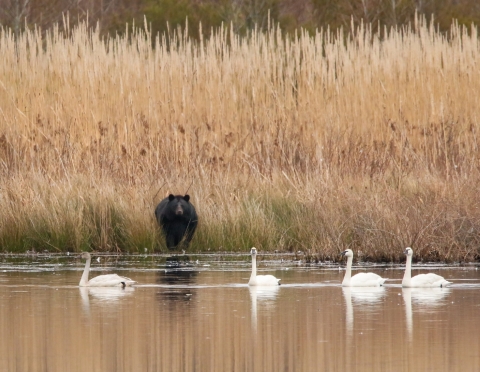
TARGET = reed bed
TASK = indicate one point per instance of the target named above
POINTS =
(365, 138)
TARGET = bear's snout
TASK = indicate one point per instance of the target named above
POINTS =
(179, 210)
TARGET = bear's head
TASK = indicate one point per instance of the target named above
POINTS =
(178, 203)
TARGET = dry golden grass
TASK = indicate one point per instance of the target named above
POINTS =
(366, 139)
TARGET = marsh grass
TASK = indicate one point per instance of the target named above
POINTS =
(364, 139)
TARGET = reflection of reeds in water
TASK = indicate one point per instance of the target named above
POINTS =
(425, 300)
(299, 329)
(328, 116)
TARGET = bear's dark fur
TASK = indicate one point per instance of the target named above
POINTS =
(178, 219)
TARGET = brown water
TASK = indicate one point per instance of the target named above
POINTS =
(205, 318)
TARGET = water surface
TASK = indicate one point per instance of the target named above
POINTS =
(203, 317)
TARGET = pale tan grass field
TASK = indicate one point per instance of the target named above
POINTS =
(366, 139)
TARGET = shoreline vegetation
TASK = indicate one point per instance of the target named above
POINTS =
(364, 139)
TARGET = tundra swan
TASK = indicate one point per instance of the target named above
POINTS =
(429, 280)
(360, 279)
(109, 280)
(260, 280)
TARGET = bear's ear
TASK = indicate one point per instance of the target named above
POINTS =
(187, 197)
(171, 197)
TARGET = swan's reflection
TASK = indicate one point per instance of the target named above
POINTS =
(347, 295)
(107, 295)
(429, 297)
(367, 295)
(425, 298)
(262, 295)
(361, 295)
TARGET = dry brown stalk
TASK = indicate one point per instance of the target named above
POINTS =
(366, 139)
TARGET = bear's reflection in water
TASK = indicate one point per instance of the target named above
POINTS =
(178, 261)
(178, 279)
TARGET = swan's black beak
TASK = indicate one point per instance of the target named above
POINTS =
(343, 253)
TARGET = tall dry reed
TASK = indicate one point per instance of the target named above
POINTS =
(364, 138)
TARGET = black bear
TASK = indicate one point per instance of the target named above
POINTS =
(177, 218)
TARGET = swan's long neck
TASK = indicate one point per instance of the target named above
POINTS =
(254, 268)
(84, 279)
(348, 272)
(408, 272)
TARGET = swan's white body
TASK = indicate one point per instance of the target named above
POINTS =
(260, 280)
(429, 280)
(360, 279)
(109, 280)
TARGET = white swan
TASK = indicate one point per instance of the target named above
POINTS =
(360, 279)
(429, 280)
(260, 280)
(110, 280)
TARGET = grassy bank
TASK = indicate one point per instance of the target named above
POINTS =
(364, 140)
